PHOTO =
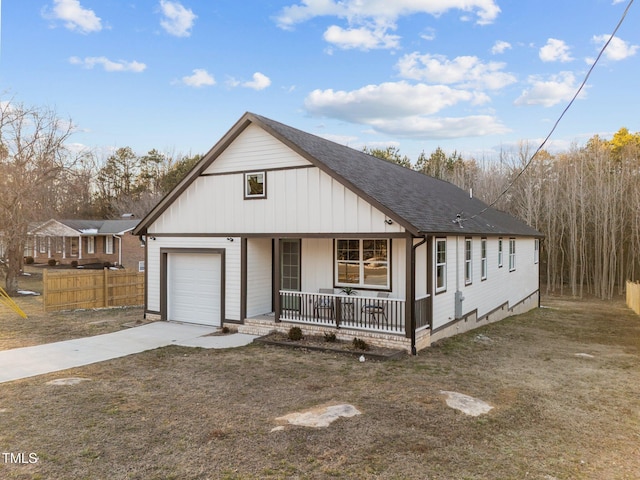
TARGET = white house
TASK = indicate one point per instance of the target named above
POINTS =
(273, 224)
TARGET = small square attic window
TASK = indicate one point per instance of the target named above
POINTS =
(255, 185)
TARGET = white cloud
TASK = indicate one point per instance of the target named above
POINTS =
(177, 20)
(370, 20)
(434, 128)
(555, 51)
(429, 34)
(348, 140)
(405, 110)
(618, 49)
(108, 65)
(362, 38)
(200, 78)
(76, 17)
(387, 100)
(259, 82)
(383, 12)
(500, 47)
(549, 92)
(464, 71)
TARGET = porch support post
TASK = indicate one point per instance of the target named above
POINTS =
(243, 279)
(276, 278)
(410, 289)
(430, 277)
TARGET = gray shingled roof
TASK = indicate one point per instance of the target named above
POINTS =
(102, 227)
(422, 204)
(426, 203)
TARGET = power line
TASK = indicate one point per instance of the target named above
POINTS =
(555, 125)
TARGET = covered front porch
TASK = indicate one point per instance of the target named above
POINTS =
(351, 287)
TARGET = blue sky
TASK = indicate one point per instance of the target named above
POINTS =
(475, 76)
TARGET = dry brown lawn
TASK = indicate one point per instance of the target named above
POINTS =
(180, 413)
(40, 327)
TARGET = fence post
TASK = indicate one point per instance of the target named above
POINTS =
(105, 279)
(45, 285)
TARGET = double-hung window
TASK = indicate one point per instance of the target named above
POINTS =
(91, 244)
(536, 250)
(483, 259)
(512, 254)
(363, 263)
(108, 245)
(441, 264)
(468, 256)
(499, 252)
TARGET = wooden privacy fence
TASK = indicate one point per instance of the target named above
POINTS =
(76, 289)
(633, 296)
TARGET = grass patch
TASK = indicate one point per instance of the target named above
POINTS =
(40, 327)
(187, 413)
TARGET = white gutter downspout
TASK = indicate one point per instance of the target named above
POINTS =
(119, 249)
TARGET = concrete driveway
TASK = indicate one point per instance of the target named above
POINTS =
(52, 357)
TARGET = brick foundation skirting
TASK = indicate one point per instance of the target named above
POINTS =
(379, 339)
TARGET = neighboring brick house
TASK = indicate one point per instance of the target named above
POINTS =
(86, 241)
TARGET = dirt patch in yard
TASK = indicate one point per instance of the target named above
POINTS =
(186, 413)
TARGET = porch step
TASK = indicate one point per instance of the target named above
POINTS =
(257, 326)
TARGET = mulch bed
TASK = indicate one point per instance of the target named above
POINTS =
(319, 344)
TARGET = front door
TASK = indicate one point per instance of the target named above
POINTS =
(290, 271)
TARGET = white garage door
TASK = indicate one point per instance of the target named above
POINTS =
(193, 288)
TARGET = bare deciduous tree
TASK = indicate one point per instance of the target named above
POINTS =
(33, 158)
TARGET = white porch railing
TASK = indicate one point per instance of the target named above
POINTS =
(348, 311)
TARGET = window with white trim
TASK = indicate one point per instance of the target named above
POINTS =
(483, 259)
(512, 254)
(91, 244)
(108, 245)
(362, 263)
(255, 185)
(441, 264)
(468, 266)
(536, 250)
(499, 252)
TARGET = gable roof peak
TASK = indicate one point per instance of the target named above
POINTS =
(421, 204)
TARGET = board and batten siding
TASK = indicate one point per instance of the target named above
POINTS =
(300, 198)
(232, 268)
(255, 149)
(501, 285)
(318, 262)
(259, 276)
